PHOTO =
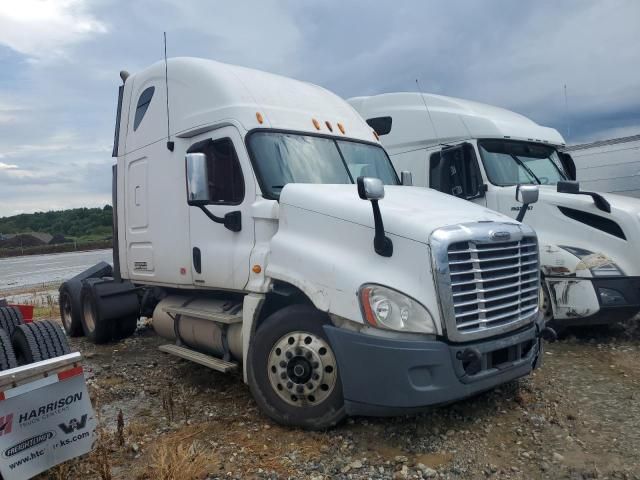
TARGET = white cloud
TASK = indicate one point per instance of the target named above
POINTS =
(42, 28)
(6, 166)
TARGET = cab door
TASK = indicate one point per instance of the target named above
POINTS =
(454, 170)
(220, 253)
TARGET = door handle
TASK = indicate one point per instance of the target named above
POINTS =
(197, 260)
(135, 195)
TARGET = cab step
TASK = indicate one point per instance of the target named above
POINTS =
(202, 358)
(217, 317)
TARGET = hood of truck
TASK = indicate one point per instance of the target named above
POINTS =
(410, 212)
(563, 219)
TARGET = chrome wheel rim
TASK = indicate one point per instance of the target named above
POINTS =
(89, 320)
(302, 369)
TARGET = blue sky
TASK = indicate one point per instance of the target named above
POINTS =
(59, 64)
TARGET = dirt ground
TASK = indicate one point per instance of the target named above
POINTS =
(578, 417)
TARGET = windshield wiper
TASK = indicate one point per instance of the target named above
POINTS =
(527, 169)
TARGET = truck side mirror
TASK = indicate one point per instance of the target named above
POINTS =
(372, 189)
(197, 179)
(526, 194)
(198, 191)
(406, 178)
(568, 186)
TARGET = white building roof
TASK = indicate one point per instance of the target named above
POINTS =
(454, 119)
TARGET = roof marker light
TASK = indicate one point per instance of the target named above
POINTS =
(316, 123)
(341, 127)
(259, 118)
(329, 126)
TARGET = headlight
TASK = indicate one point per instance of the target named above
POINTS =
(598, 264)
(385, 308)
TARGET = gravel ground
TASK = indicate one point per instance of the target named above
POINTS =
(578, 417)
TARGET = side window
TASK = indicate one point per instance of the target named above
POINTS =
(455, 171)
(382, 125)
(143, 104)
(226, 184)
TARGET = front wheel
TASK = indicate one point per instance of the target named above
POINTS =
(293, 374)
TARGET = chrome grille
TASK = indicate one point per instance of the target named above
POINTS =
(493, 284)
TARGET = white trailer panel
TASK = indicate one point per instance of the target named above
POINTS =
(609, 166)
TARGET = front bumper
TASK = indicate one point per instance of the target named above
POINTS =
(624, 305)
(382, 376)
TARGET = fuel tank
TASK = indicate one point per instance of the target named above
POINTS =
(199, 334)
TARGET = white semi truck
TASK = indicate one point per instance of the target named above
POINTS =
(588, 241)
(261, 225)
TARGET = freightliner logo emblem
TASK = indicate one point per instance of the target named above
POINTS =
(500, 236)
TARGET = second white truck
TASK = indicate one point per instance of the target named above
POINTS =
(263, 228)
(589, 242)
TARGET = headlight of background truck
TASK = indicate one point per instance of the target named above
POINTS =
(383, 307)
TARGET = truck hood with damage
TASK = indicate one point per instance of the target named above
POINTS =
(410, 212)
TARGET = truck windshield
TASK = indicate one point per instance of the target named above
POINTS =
(281, 158)
(511, 163)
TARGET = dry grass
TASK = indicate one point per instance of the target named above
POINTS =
(99, 459)
(178, 458)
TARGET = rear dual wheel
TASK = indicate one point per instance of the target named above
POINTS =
(98, 329)
(292, 370)
(70, 307)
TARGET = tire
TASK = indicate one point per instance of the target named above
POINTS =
(321, 403)
(124, 327)
(10, 318)
(37, 341)
(96, 329)
(7, 355)
(71, 308)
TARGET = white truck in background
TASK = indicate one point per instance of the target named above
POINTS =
(611, 165)
(589, 242)
(261, 225)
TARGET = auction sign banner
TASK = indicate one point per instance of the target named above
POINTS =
(43, 423)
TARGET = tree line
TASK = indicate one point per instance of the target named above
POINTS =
(76, 222)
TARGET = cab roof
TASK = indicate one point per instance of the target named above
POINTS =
(455, 119)
(204, 93)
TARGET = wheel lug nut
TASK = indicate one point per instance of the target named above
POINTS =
(308, 355)
(298, 351)
(283, 375)
(283, 364)
(316, 376)
(300, 389)
(315, 364)
(288, 355)
(309, 385)
(289, 385)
